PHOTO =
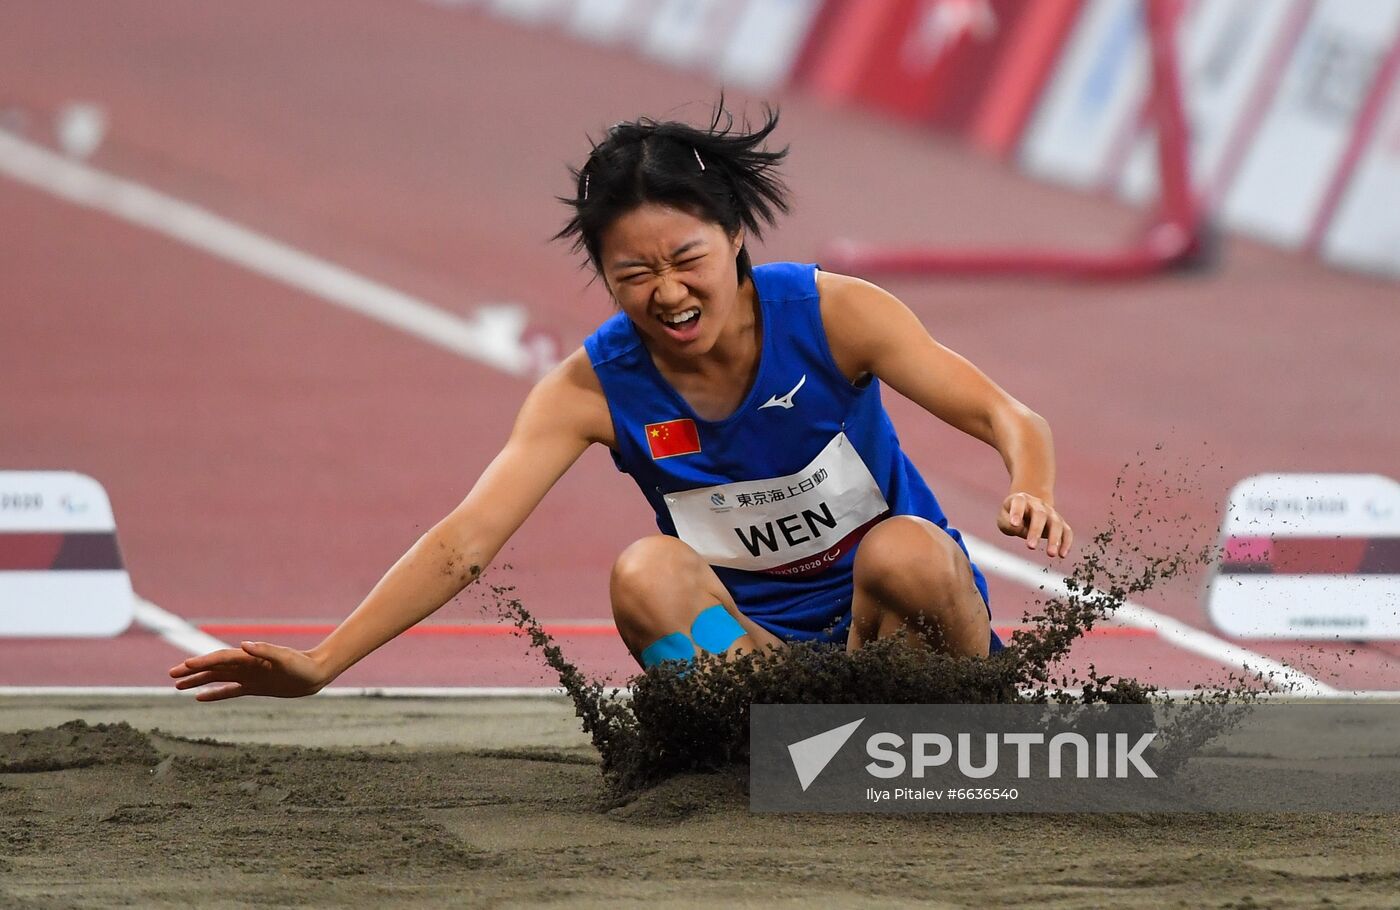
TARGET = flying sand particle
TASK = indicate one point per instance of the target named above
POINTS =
(696, 718)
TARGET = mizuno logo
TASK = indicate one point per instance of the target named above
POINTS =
(784, 401)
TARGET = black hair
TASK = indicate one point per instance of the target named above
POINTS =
(717, 173)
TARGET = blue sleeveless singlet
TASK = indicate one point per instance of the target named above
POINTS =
(777, 495)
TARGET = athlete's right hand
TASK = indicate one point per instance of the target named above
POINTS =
(254, 668)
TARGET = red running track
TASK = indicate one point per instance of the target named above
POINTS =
(268, 455)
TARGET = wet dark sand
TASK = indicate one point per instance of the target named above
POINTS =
(363, 802)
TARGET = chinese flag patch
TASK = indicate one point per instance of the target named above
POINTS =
(674, 437)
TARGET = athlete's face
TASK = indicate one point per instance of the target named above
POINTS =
(674, 275)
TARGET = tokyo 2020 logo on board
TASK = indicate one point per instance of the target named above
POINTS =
(61, 571)
(1309, 556)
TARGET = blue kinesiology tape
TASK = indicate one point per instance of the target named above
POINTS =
(670, 647)
(716, 629)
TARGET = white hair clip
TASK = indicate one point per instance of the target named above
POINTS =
(698, 159)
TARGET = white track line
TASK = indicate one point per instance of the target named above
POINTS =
(485, 339)
(1015, 568)
(175, 630)
(141, 205)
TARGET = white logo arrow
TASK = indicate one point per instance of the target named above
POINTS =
(784, 401)
(810, 756)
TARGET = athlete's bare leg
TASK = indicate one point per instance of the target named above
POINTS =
(910, 574)
(660, 585)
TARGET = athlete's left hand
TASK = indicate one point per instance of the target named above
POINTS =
(1024, 515)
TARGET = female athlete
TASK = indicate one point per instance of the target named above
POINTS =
(745, 403)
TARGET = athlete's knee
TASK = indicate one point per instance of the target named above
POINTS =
(651, 564)
(646, 578)
(912, 559)
(906, 550)
(888, 548)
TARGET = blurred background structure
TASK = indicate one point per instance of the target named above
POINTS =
(278, 276)
(1286, 113)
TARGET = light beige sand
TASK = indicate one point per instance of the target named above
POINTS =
(499, 803)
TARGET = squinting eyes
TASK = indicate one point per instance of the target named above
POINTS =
(636, 277)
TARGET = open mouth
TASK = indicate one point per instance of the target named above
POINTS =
(682, 326)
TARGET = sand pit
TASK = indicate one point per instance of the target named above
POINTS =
(502, 803)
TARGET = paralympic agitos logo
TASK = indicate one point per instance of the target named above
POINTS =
(1022, 754)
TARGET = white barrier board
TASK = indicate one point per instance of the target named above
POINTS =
(609, 21)
(1366, 230)
(689, 33)
(531, 12)
(1224, 48)
(1094, 97)
(767, 38)
(1291, 162)
(1310, 556)
(61, 572)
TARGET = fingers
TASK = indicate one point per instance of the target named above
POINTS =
(1056, 536)
(252, 654)
(241, 678)
(1038, 517)
(1029, 517)
(219, 693)
(225, 657)
(224, 666)
(1017, 509)
(199, 679)
(255, 668)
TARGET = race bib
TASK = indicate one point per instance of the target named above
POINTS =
(794, 525)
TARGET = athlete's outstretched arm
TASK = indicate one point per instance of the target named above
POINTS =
(562, 415)
(872, 332)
